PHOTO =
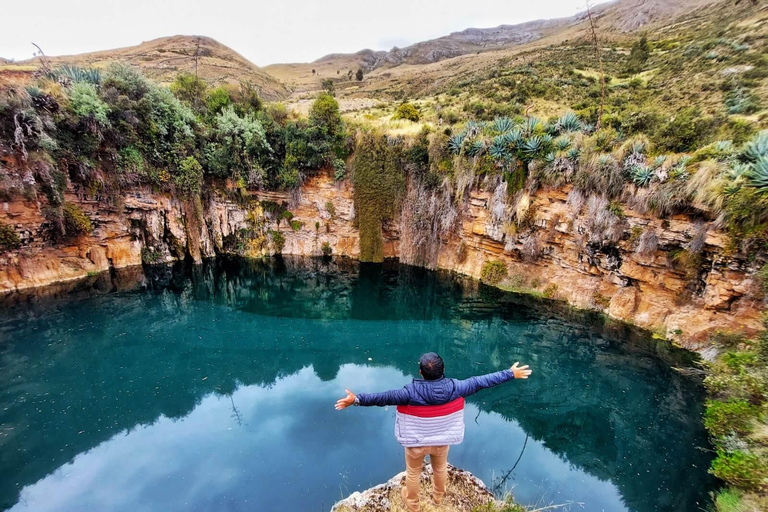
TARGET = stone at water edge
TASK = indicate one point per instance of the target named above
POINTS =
(464, 492)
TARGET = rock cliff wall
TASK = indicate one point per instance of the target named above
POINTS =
(647, 289)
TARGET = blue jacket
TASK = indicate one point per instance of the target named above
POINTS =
(435, 392)
(431, 412)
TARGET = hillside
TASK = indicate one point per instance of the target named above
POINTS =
(617, 20)
(162, 59)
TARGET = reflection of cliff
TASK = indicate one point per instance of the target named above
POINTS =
(605, 404)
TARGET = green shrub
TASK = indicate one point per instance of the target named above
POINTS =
(325, 113)
(326, 249)
(149, 256)
(217, 100)
(550, 291)
(493, 272)
(685, 131)
(296, 225)
(339, 169)
(238, 142)
(76, 222)
(740, 469)
(85, 102)
(189, 88)
(9, 239)
(379, 183)
(722, 418)
(331, 209)
(407, 111)
(189, 177)
(278, 241)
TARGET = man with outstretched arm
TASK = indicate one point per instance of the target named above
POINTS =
(430, 418)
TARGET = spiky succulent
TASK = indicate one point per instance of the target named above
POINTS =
(574, 154)
(475, 147)
(758, 175)
(659, 161)
(724, 146)
(563, 143)
(532, 124)
(499, 149)
(502, 124)
(568, 122)
(533, 145)
(604, 160)
(472, 128)
(455, 143)
(757, 148)
(642, 176)
(75, 74)
(550, 157)
(639, 147)
(738, 170)
(514, 138)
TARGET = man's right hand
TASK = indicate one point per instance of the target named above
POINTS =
(520, 372)
(343, 403)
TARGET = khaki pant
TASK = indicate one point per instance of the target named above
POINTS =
(414, 458)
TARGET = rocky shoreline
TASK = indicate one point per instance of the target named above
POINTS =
(464, 493)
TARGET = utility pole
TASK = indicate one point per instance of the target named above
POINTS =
(596, 46)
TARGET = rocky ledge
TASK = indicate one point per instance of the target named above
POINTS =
(464, 493)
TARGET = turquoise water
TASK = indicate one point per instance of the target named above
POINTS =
(212, 389)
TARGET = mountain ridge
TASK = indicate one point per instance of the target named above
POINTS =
(165, 57)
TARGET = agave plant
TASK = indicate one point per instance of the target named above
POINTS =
(724, 146)
(659, 161)
(455, 143)
(605, 160)
(550, 157)
(738, 170)
(758, 175)
(642, 176)
(568, 122)
(533, 145)
(514, 138)
(475, 147)
(472, 128)
(639, 147)
(574, 154)
(502, 124)
(563, 143)
(499, 149)
(532, 124)
(75, 74)
(757, 148)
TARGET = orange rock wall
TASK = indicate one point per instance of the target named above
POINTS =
(645, 290)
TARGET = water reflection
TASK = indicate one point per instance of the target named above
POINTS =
(211, 388)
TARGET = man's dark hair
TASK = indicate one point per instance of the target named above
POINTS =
(431, 366)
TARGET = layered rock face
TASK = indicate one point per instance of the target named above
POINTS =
(645, 288)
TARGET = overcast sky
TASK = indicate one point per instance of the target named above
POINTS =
(265, 32)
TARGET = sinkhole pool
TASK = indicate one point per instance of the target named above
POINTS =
(211, 388)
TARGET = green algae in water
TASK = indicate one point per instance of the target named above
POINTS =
(212, 388)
